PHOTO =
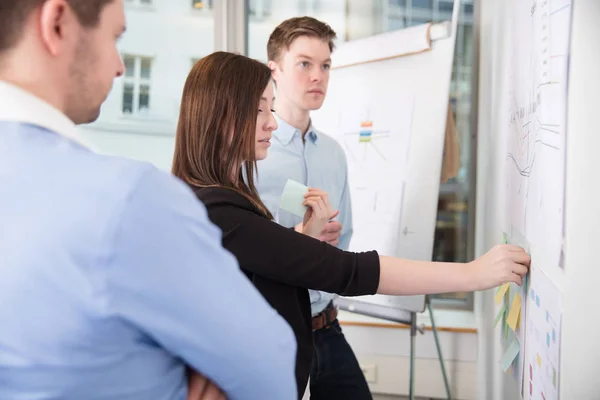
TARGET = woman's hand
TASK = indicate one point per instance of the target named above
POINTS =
(502, 264)
(318, 214)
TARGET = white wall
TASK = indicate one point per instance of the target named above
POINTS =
(581, 302)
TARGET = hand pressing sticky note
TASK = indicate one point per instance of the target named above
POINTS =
(501, 292)
(514, 313)
(293, 197)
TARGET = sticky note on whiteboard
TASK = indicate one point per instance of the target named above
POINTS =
(514, 313)
(511, 353)
(501, 292)
(293, 197)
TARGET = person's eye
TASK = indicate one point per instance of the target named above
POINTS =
(326, 67)
(304, 64)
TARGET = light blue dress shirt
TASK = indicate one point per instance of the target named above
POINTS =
(319, 162)
(109, 271)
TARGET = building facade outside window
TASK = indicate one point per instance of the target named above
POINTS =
(136, 84)
(139, 117)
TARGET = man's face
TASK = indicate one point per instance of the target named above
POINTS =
(96, 62)
(302, 73)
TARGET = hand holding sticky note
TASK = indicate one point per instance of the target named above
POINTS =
(293, 197)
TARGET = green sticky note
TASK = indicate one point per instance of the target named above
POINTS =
(293, 197)
(510, 354)
(504, 238)
(500, 315)
(506, 331)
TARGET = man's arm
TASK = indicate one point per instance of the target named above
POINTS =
(170, 277)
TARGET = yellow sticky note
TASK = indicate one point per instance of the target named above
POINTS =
(539, 360)
(515, 311)
(501, 292)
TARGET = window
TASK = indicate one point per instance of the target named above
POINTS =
(139, 117)
(259, 9)
(136, 85)
(445, 7)
(422, 4)
(421, 12)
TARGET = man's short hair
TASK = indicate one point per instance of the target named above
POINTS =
(14, 13)
(289, 30)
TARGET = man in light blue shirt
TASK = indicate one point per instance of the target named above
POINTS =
(299, 52)
(112, 278)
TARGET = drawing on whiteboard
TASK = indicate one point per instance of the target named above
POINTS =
(537, 125)
(368, 146)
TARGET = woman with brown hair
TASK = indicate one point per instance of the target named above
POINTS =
(224, 127)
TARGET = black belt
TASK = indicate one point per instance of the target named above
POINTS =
(325, 318)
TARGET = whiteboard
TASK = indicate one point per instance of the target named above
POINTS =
(406, 98)
(534, 127)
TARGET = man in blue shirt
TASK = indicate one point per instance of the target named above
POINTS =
(299, 51)
(112, 278)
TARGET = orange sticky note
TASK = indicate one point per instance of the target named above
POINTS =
(502, 290)
(515, 311)
(539, 360)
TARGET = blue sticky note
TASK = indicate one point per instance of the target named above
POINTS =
(548, 339)
(532, 294)
(537, 300)
(554, 335)
(509, 356)
(293, 197)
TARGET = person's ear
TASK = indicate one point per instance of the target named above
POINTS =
(57, 24)
(274, 67)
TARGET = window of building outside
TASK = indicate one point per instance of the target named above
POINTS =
(163, 38)
(353, 19)
(136, 84)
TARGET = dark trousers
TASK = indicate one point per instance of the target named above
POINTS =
(335, 373)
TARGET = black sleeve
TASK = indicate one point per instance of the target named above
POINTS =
(284, 255)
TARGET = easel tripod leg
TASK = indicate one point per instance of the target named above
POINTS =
(439, 351)
(413, 335)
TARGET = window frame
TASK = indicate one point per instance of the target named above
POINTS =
(137, 81)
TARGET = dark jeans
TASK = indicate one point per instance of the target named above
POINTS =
(335, 373)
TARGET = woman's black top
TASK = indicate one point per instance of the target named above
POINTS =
(283, 264)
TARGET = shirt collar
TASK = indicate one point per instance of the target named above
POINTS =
(286, 132)
(18, 105)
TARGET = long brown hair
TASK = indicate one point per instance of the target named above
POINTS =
(217, 124)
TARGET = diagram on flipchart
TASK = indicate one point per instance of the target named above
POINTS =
(375, 136)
